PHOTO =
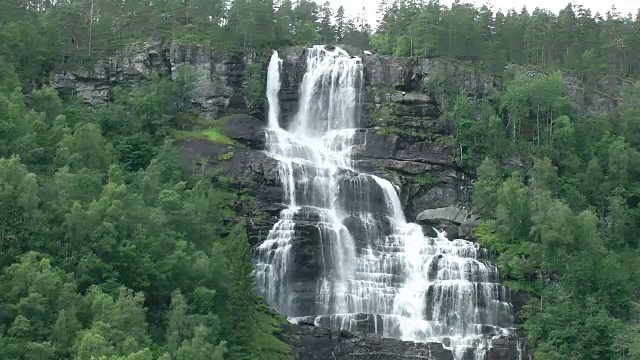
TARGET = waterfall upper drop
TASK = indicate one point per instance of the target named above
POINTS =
(342, 253)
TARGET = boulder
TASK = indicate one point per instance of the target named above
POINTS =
(385, 70)
(446, 219)
(451, 214)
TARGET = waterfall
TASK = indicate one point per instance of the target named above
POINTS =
(273, 88)
(342, 253)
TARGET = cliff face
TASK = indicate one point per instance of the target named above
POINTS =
(219, 82)
(407, 142)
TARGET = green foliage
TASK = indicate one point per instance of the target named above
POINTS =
(561, 216)
(573, 39)
(109, 247)
(256, 83)
(269, 324)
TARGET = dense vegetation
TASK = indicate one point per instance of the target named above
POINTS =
(558, 192)
(574, 39)
(110, 249)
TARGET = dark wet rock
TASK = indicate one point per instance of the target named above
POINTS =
(294, 65)
(363, 233)
(509, 348)
(395, 147)
(360, 323)
(309, 342)
(466, 228)
(243, 128)
(518, 300)
(317, 343)
(438, 196)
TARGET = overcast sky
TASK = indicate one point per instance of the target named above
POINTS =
(624, 6)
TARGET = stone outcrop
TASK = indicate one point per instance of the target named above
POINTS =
(594, 103)
(456, 221)
(93, 85)
(452, 214)
(465, 231)
(217, 83)
(253, 172)
(411, 75)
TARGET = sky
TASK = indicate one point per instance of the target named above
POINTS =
(353, 7)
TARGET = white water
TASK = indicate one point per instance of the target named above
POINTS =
(342, 253)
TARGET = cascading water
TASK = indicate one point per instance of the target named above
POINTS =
(342, 253)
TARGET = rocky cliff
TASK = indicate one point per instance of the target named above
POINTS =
(220, 85)
(406, 141)
(315, 343)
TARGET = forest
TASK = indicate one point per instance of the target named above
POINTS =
(111, 249)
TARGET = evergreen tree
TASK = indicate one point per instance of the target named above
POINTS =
(326, 28)
(340, 24)
(242, 310)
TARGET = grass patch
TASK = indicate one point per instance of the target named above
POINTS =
(213, 135)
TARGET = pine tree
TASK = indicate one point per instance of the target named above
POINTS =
(340, 24)
(241, 303)
(326, 28)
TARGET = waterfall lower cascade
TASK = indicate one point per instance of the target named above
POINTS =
(342, 253)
